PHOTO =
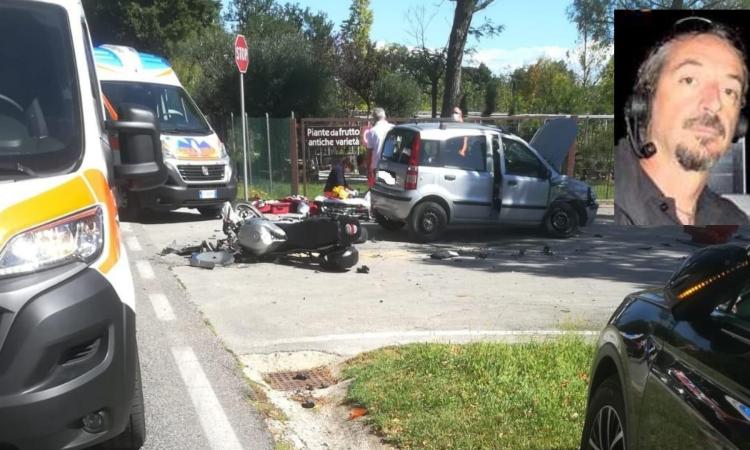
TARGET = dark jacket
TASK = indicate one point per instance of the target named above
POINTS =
(336, 178)
(638, 201)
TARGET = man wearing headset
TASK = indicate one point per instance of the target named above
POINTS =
(683, 115)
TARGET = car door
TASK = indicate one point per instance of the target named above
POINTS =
(525, 184)
(697, 395)
(465, 176)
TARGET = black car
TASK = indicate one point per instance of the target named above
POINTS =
(672, 366)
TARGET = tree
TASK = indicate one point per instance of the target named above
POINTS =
(597, 16)
(462, 17)
(285, 75)
(398, 94)
(358, 63)
(546, 87)
(205, 64)
(356, 28)
(148, 25)
(490, 97)
(425, 64)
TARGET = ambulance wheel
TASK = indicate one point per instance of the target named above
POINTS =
(134, 434)
(131, 211)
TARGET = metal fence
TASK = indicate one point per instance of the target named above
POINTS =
(274, 142)
(268, 140)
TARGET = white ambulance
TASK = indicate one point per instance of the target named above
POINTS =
(69, 368)
(199, 169)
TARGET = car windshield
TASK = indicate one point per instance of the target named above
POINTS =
(171, 104)
(40, 111)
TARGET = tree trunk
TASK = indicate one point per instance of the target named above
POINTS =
(456, 44)
(434, 96)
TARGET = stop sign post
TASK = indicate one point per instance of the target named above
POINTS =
(242, 60)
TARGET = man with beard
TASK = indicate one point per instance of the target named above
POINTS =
(682, 117)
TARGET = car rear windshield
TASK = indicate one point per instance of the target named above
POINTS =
(40, 111)
(398, 145)
(175, 110)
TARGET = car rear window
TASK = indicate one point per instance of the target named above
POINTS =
(463, 152)
(397, 145)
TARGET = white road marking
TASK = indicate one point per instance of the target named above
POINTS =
(125, 226)
(410, 335)
(162, 308)
(216, 427)
(145, 270)
(133, 244)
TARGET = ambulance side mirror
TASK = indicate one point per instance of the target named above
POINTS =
(137, 135)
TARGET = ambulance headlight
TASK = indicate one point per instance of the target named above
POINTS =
(79, 237)
(223, 151)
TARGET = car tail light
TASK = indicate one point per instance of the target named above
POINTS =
(412, 174)
(412, 171)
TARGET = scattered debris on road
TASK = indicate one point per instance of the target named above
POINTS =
(363, 269)
(250, 236)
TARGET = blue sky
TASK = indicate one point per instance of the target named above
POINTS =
(533, 28)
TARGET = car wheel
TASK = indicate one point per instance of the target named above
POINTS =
(388, 224)
(561, 220)
(427, 221)
(134, 434)
(605, 426)
(210, 211)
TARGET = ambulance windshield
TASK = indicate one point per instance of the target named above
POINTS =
(40, 111)
(176, 112)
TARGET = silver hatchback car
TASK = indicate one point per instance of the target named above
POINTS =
(440, 173)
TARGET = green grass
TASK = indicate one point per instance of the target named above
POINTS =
(475, 396)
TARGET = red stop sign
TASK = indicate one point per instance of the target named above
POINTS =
(240, 53)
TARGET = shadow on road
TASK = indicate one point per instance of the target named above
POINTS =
(642, 256)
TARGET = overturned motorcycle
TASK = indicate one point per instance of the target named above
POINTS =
(328, 241)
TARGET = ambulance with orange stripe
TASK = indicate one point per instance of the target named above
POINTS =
(69, 367)
(199, 169)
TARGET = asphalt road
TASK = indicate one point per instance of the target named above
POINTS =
(526, 283)
(195, 393)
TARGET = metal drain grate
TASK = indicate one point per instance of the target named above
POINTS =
(317, 378)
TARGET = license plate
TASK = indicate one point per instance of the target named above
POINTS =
(207, 194)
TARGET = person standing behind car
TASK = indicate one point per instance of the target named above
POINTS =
(375, 142)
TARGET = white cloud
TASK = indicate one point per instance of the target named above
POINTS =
(501, 60)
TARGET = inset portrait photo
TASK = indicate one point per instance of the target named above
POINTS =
(681, 91)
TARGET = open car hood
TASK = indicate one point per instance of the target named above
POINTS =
(554, 139)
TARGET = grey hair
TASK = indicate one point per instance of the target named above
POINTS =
(651, 68)
(378, 113)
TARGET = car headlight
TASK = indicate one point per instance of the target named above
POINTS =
(223, 151)
(79, 237)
